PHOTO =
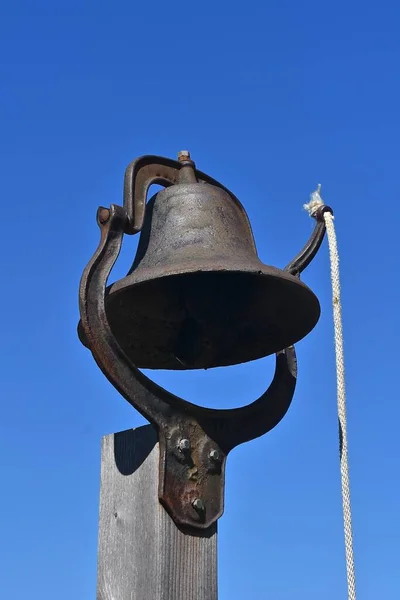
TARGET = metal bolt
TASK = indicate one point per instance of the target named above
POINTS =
(214, 455)
(183, 155)
(198, 504)
(184, 445)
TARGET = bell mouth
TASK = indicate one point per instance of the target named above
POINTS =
(208, 319)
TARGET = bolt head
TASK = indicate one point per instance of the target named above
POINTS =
(184, 445)
(198, 504)
(183, 155)
(215, 455)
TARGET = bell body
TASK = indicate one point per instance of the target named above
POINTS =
(197, 295)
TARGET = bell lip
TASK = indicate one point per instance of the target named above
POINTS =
(144, 274)
(262, 270)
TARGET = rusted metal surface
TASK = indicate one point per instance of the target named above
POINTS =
(184, 477)
(197, 295)
(194, 441)
(191, 482)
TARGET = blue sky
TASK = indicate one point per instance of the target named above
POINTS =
(271, 98)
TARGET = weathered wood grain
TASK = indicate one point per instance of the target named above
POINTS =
(142, 554)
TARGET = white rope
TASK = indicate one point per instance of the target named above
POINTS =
(312, 207)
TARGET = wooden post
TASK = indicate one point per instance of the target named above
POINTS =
(142, 553)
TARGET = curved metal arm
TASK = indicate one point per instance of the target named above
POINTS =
(139, 176)
(254, 420)
(309, 251)
(138, 390)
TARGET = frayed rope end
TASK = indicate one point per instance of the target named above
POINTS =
(315, 202)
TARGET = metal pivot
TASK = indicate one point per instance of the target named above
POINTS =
(194, 441)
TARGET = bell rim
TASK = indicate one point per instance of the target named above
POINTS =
(309, 316)
(146, 274)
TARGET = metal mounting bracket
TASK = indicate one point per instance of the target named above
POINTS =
(194, 441)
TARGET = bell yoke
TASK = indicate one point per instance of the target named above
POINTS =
(197, 296)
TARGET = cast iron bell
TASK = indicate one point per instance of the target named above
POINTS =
(197, 295)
